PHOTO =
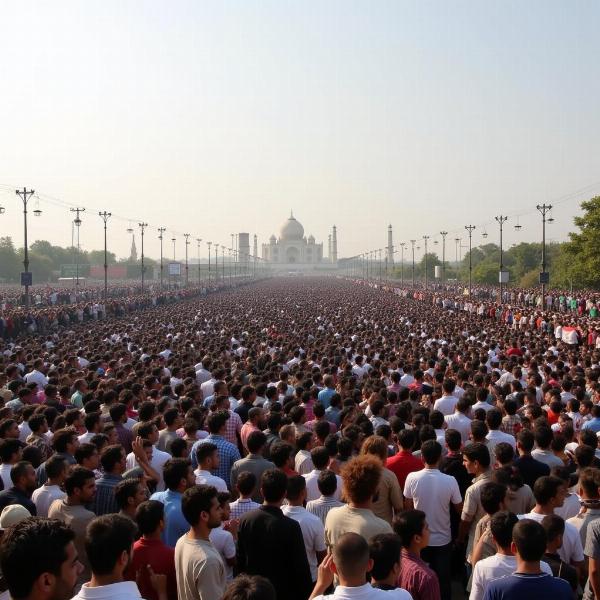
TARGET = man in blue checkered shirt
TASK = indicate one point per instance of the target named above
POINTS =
(228, 453)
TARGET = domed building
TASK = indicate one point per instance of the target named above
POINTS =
(292, 249)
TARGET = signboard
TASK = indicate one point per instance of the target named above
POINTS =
(438, 272)
(544, 277)
(503, 276)
(174, 269)
(26, 278)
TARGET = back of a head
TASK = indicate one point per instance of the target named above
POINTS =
(106, 538)
(250, 587)
(545, 488)
(501, 526)
(273, 485)
(530, 539)
(148, 516)
(384, 551)
(351, 555)
(409, 523)
(431, 451)
(361, 476)
(327, 482)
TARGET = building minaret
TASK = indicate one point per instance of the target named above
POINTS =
(133, 253)
(329, 247)
(255, 245)
(334, 254)
(390, 246)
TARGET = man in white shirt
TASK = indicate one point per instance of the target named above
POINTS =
(313, 531)
(44, 496)
(504, 562)
(433, 492)
(459, 420)
(149, 431)
(320, 459)
(447, 402)
(550, 493)
(37, 375)
(493, 419)
(208, 460)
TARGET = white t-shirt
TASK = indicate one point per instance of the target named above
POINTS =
(223, 541)
(44, 496)
(494, 567)
(207, 478)
(445, 405)
(159, 458)
(312, 487)
(461, 423)
(365, 592)
(571, 549)
(432, 492)
(313, 533)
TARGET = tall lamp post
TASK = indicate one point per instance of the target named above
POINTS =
(77, 222)
(501, 220)
(161, 231)
(198, 241)
(209, 244)
(470, 229)
(402, 244)
(105, 216)
(443, 234)
(544, 277)
(425, 238)
(143, 226)
(413, 242)
(26, 279)
(223, 261)
(187, 243)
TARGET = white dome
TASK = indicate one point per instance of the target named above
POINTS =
(291, 230)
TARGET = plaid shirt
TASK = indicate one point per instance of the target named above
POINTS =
(105, 503)
(233, 427)
(322, 505)
(228, 454)
(511, 424)
(241, 506)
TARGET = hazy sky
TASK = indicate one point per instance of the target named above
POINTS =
(218, 117)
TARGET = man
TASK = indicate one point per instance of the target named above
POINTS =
(80, 486)
(329, 485)
(65, 442)
(245, 486)
(325, 394)
(415, 576)
(529, 580)
(207, 456)
(152, 465)
(23, 480)
(493, 419)
(476, 459)
(173, 422)
(404, 462)
(179, 477)
(313, 531)
(10, 454)
(361, 477)
(129, 494)
(549, 493)
(554, 526)
(228, 453)
(504, 562)
(529, 468)
(589, 492)
(150, 551)
(459, 419)
(543, 452)
(385, 551)
(43, 497)
(39, 429)
(320, 458)
(351, 562)
(447, 403)
(198, 565)
(254, 423)
(108, 543)
(39, 560)
(302, 462)
(271, 544)
(254, 462)
(113, 464)
(433, 492)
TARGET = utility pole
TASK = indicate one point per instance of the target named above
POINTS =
(105, 216)
(544, 278)
(187, 243)
(456, 243)
(413, 261)
(501, 220)
(402, 244)
(209, 244)
(77, 222)
(161, 231)
(443, 234)
(142, 227)
(425, 238)
(223, 261)
(26, 278)
(198, 240)
(470, 229)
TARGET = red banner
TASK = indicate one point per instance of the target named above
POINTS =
(114, 271)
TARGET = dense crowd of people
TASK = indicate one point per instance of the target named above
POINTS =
(303, 438)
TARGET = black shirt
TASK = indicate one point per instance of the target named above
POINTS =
(16, 496)
(531, 469)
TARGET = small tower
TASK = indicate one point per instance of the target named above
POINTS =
(255, 245)
(334, 252)
(133, 254)
(390, 246)
(329, 247)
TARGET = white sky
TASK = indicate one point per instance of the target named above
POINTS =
(218, 117)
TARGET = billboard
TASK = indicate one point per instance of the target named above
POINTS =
(174, 269)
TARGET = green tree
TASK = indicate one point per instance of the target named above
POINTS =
(9, 260)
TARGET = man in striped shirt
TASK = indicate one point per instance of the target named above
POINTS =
(245, 485)
(327, 484)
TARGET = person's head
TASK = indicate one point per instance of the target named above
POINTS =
(207, 456)
(351, 559)
(65, 441)
(543, 437)
(549, 491)
(10, 451)
(385, 550)
(150, 517)
(407, 439)
(273, 485)
(200, 507)
(504, 453)
(23, 476)
(375, 445)
(554, 526)
(246, 484)
(80, 485)
(108, 544)
(431, 452)
(525, 441)
(589, 483)
(528, 540)
(296, 490)
(493, 497)
(178, 474)
(361, 476)
(56, 470)
(113, 459)
(130, 493)
(453, 440)
(256, 441)
(281, 453)
(39, 560)
(501, 526)
(411, 526)
(476, 458)
(327, 482)
(250, 587)
(320, 457)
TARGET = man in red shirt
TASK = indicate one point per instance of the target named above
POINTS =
(150, 553)
(404, 462)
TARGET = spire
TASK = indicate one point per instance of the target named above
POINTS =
(291, 214)
(133, 253)
(334, 249)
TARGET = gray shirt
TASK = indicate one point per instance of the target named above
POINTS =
(254, 463)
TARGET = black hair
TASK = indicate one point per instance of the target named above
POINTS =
(106, 538)
(384, 551)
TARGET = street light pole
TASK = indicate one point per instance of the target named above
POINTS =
(25, 194)
(198, 240)
(161, 231)
(209, 244)
(142, 227)
(443, 234)
(402, 244)
(105, 216)
(544, 208)
(456, 243)
(501, 220)
(425, 238)
(413, 261)
(78, 225)
(470, 229)
(187, 243)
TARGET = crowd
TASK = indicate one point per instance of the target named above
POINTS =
(301, 438)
